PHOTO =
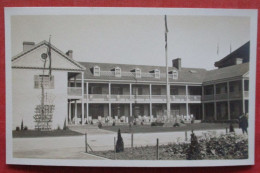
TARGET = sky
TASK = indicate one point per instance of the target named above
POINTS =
(135, 39)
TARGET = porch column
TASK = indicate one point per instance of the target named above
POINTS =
(69, 121)
(203, 111)
(82, 100)
(109, 104)
(187, 98)
(243, 101)
(131, 110)
(215, 104)
(228, 102)
(203, 106)
(150, 90)
(76, 112)
(87, 104)
(109, 110)
(131, 106)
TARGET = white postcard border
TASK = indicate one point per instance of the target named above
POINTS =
(10, 11)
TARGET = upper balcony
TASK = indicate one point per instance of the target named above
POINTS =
(141, 98)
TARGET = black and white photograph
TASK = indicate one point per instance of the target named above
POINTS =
(130, 86)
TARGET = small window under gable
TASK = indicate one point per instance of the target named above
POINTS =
(138, 73)
(96, 71)
(117, 72)
(175, 74)
(157, 73)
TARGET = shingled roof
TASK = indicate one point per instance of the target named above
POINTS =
(189, 75)
(227, 72)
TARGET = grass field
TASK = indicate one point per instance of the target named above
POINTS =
(152, 129)
(35, 133)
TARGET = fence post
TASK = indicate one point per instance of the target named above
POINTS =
(132, 140)
(157, 149)
(186, 135)
(86, 142)
(226, 130)
(114, 148)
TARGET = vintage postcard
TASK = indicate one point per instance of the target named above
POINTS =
(133, 87)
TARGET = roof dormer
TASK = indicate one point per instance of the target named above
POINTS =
(117, 71)
(137, 72)
(175, 74)
(96, 70)
(156, 73)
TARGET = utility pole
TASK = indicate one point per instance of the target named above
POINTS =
(167, 73)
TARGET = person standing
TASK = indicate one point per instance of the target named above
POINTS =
(243, 123)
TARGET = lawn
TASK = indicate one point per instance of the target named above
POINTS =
(36, 133)
(152, 129)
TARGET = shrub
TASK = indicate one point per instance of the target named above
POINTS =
(17, 128)
(25, 128)
(91, 122)
(22, 125)
(119, 142)
(100, 125)
(58, 128)
(134, 123)
(176, 125)
(65, 125)
(228, 146)
(157, 124)
(114, 123)
(182, 121)
(194, 151)
(142, 123)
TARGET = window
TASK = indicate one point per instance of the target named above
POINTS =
(117, 72)
(156, 73)
(175, 74)
(96, 71)
(138, 73)
(46, 80)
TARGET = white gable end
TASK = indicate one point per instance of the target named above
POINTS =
(32, 59)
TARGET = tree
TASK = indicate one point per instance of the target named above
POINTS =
(22, 125)
(193, 152)
(119, 142)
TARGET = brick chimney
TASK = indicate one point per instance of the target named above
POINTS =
(69, 53)
(28, 45)
(177, 63)
(238, 61)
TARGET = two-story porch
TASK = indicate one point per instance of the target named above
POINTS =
(113, 100)
(225, 100)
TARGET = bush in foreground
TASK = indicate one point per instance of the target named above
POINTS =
(229, 146)
(194, 151)
(119, 142)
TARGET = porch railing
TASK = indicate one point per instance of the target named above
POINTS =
(74, 91)
(208, 97)
(100, 97)
(178, 97)
(235, 95)
(246, 94)
(221, 96)
(194, 98)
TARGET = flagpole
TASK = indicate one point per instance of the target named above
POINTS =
(167, 73)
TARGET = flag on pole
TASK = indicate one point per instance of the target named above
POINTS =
(230, 48)
(166, 30)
